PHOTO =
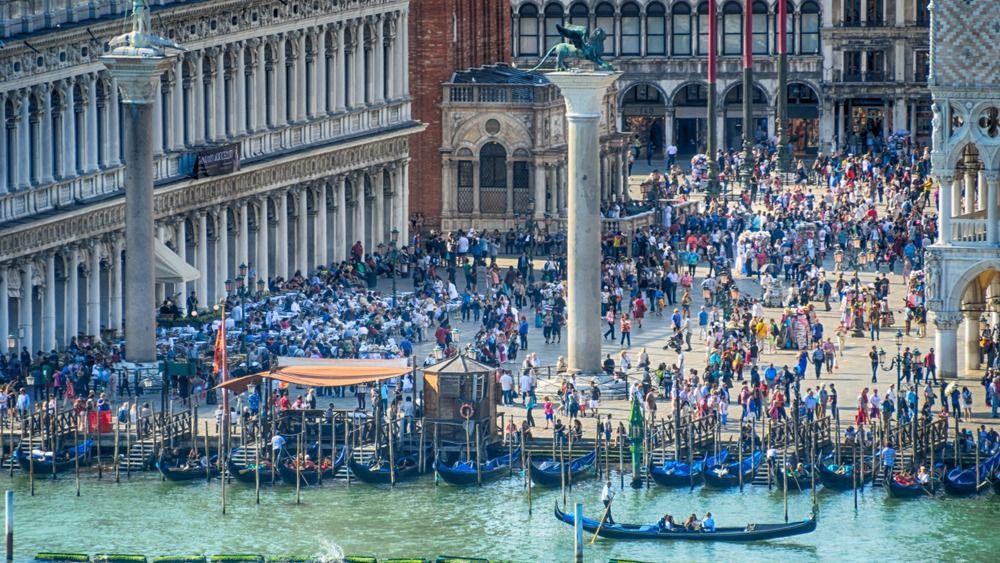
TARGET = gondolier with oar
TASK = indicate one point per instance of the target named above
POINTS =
(607, 495)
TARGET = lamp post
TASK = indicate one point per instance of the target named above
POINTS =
(241, 291)
(896, 362)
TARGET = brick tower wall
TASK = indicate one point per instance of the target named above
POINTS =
(446, 36)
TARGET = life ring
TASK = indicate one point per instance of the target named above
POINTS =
(466, 411)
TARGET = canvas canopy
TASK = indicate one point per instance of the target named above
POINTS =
(317, 376)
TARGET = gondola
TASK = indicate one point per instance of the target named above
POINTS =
(40, 462)
(960, 482)
(551, 472)
(842, 481)
(186, 473)
(798, 480)
(312, 476)
(672, 473)
(726, 475)
(247, 474)
(464, 472)
(377, 473)
(748, 533)
(911, 490)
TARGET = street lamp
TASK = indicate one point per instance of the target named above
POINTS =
(242, 294)
(896, 362)
(11, 342)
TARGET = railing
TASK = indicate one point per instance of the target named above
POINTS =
(809, 434)
(968, 230)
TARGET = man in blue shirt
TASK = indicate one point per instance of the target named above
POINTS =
(769, 374)
(888, 460)
(708, 523)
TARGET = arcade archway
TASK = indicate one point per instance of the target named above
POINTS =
(643, 109)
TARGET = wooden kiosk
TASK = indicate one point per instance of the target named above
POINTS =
(460, 404)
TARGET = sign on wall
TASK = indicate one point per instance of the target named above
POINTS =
(217, 161)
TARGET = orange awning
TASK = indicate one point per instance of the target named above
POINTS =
(317, 376)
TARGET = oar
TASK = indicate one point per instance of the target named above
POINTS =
(603, 516)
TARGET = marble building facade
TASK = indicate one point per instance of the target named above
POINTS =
(314, 96)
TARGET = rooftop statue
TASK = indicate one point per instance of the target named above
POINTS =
(577, 44)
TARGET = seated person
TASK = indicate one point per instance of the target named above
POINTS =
(667, 524)
(904, 478)
(923, 477)
(708, 523)
(692, 524)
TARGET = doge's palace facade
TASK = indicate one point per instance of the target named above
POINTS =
(313, 95)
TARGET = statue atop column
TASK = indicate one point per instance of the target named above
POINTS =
(140, 41)
(578, 44)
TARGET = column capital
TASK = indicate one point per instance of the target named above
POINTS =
(947, 320)
(992, 176)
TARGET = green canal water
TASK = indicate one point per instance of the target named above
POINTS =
(148, 516)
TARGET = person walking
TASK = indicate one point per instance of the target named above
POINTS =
(626, 330)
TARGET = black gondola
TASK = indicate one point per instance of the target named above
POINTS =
(726, 475)
(799, 479)
(310, 476)
(751, 532)
(960, 482)
(376, 471)
(464, 472)
(551, 473)
(896, 489)
(672, 473)
(248, 474)
(188, 472)
(65, 460)
(841, 478)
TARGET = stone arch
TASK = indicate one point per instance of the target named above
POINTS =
(514, 134)
(675, 97)
(977, 273)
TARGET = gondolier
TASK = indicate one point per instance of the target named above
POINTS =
(607, 495)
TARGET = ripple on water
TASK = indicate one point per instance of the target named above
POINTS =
(418, 519)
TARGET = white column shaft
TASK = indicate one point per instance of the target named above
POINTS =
(46, 138)
(302, 233)
(202, 255)
(92, 143)
(221, 253)
(94, 292)
(281, 237)
(321, 257)
(25, 323)
(72, 315)
(263, 241)
(49, 305)
(340, 238)
(117, 287)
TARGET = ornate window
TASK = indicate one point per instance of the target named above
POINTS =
(732, 29)
(656, 29)
(760, 30)
(680, 20)
(631, 29)
(553, 17)
(466, 199)
(789, 31)
(703, 28)
(522, 184)
(810, 29)
(527, 30)
(852, 13)
(579, 14)
(605, 13)
(492, 178)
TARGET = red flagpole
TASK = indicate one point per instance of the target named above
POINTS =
(782, 27)
(712, 41)
(748, 34)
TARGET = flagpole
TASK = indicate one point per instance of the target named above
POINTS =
(222, 370)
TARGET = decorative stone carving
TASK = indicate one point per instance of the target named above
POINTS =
(947, 320)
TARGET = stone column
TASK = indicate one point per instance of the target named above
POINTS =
(992, 216)
(24, 318)
(358, 183)
(197, 105)
(392, 63)
(339, 86)
(302, 232)
(49, 304)
(321, 226)
(980, 204)
(117, 284)
(340, 241)
(281, 236)
(378, 207)
(23, 170)
(138, 72)
(946, 343)
(259, 85)
(177, 105)
(263, 241)
(404, 32)
(240, 91)
(180, 247)
(358, 64)
(3, 173)
(584, 94)
(378, 69)
(92, 143)
(243, 238)
(219, 91)
(956, 196)
(280, 81)
(94, 290)
(72, 305)
(404, 229)
(945, 201)
(45, 90)
(539, 191)
(300, 77)
(971, 338)
(319, 72)
(69, 131)
(970, 191)
(4, 300)
(201, 252)
(221, 252)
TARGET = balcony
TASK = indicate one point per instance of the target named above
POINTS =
(968, 230)
(855, 77)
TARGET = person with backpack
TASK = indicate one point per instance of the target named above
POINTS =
(818, 359)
